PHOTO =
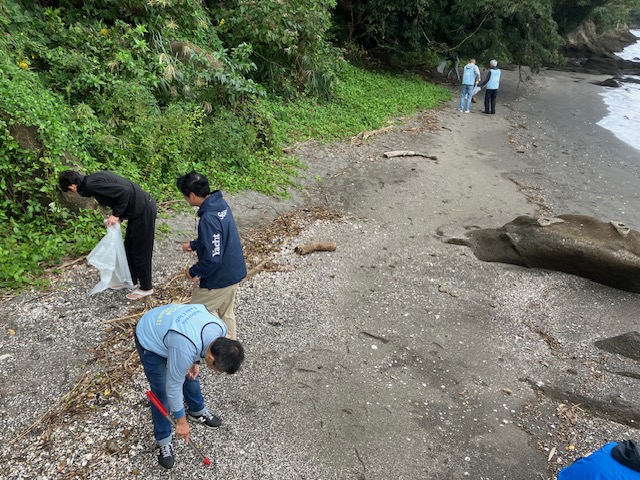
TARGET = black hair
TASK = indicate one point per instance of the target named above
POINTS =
(228, 354)
(193, 182)
(68, 178)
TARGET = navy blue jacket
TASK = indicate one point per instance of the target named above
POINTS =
(220, 259)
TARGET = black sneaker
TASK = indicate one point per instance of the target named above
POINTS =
(165, 456)
(207, 418)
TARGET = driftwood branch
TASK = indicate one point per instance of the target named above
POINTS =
(265, 266)
(128, 319)
(66, 264)
(408, 153)
(315, 247)
(362, 136)
(258, 268)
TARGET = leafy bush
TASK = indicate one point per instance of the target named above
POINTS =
(146, 88)
(83, 87)
(289, 41)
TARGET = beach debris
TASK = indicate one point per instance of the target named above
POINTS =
(546, 221)
(409, 153)
(362, 136)
(445, 289)
(621, 228)
(112, 446)
(315, 247)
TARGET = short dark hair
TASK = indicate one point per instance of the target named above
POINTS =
(68, 178)
(193, 182)
(228, 354)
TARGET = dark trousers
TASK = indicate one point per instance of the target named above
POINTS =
(490, 100)
(138, 243)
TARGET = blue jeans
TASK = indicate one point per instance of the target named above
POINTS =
(155, 368)
(465, 101)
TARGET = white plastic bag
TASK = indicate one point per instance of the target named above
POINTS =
(110, 259)
(475, 91)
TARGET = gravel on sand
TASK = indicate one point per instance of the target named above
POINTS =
(395, 356)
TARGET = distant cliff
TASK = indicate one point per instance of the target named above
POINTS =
(586, 50)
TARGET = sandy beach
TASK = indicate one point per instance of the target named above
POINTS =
(398, 356)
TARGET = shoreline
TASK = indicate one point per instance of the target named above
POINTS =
(397, 355)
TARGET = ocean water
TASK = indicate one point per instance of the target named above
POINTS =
(623, 103)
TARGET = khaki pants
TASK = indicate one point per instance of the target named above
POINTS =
(220, 302)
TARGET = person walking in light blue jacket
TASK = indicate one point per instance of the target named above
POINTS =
(470, 78)
(493, 83)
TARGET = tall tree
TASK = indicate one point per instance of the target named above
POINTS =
(519, 32)
(522, 32)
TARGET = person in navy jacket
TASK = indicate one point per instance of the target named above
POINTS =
(221, 265)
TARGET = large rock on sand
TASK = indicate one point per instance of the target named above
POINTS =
(607, 252)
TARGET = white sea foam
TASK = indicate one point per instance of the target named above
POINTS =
(623, 103)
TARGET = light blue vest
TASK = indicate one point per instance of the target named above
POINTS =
(494, 81)
(187, 320)
(469, 74)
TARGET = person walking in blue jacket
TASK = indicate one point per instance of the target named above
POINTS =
(493, 83)
(172, 341)
(470, 78)
(221, 265)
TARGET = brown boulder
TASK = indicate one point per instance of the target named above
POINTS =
(606, 252)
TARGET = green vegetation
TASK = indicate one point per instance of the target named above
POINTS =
(363, 101)
(99, 93)
(151, 89)
(525, 33)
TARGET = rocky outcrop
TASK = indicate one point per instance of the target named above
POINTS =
(606, 252)
(587, 51)
(585, 41)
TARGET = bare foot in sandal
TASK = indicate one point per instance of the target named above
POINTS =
(138, 294)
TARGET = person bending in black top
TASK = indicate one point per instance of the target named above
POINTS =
(127, 202)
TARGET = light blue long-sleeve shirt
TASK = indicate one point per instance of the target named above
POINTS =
(470, 74)
(181, 334)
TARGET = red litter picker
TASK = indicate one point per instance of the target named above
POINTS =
(158, 404)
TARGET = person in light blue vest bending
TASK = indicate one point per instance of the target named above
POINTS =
(470, 78)
(172, 341)
(493, 83)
